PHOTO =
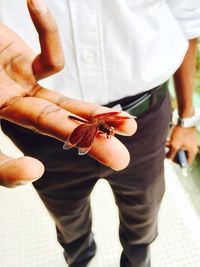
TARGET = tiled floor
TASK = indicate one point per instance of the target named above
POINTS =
(28, 236)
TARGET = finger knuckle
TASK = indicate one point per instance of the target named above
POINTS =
(55, 66)
(175, 146)
(45, 112)
(8, 103)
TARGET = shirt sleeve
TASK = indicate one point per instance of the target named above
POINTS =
(187, 13)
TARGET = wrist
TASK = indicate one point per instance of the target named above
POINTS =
(186, 113)
(186, 120)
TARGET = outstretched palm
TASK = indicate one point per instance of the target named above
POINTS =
(25, 102)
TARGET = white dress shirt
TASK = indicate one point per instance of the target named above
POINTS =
(113, 48)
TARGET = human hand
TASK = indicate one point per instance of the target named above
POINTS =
(185, 139)
(25, 102)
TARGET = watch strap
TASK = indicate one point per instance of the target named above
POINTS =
(187, 122)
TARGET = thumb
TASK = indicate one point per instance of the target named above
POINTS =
(18, 171)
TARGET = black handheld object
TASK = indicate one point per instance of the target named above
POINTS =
(181, 158)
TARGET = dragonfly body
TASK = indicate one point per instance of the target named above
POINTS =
(102, 125)
(83, 135)
(105, 128)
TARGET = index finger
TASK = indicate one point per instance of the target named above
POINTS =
(51, 58)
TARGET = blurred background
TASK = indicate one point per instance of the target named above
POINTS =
(27, 232)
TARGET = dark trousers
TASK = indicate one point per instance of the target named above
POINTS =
(69, 179)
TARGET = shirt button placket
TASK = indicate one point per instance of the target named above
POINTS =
(89, 57)
(88, 52)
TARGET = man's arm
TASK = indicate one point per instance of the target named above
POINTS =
(185, 138)
(184, 81)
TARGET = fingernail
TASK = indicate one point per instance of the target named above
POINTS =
(21, 183)
(39, 5)
(13, 185)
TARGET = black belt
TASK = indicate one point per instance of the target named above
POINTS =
(138, 104)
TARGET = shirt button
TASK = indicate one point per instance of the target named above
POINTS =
(89, 57)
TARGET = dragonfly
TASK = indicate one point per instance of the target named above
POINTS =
(83, 135)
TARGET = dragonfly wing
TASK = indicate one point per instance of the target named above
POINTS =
(76, 136)
(116, 117)
(86, 142)
(103, 116)
(67, 146)
(110, 116)
(82, 137)
(83, 150)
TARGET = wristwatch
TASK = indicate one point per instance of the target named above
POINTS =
(187, 122)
